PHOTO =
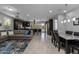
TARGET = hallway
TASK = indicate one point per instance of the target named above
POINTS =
(41, 44)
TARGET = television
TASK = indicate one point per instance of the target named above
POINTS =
(26, 24)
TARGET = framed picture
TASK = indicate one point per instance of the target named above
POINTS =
(76, 22)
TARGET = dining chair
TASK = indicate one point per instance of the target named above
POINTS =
(56, 38)
(75, 47)
(53, 39)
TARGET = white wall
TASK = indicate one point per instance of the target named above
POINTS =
(3, 18)
(62, 27)
(70, 25)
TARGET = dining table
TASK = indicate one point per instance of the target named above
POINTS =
(67, 38)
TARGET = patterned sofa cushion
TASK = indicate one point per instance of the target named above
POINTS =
(10, 33)
(3, 33)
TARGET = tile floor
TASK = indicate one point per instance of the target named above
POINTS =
(41, 44)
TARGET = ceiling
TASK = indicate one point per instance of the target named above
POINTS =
(41, 11)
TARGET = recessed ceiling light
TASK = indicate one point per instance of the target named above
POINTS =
(10, 9)
(50, 11)
(28, 15)
(65, 11)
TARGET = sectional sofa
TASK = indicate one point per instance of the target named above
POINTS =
(15, 34)
(22, 37)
